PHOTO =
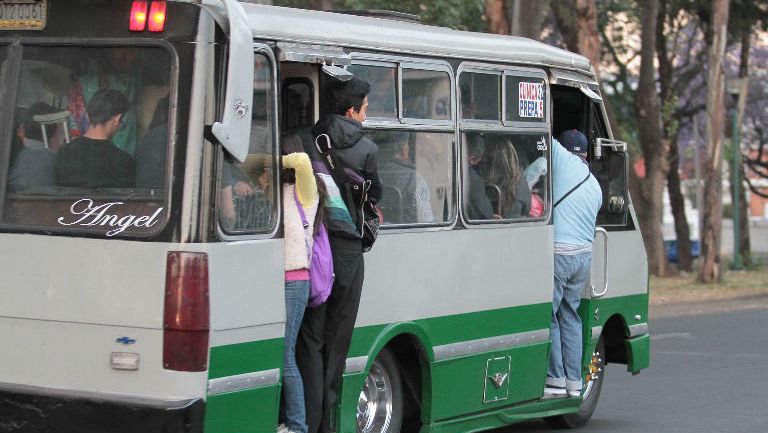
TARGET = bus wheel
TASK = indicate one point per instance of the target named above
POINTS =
(590, 394)
(380, 407)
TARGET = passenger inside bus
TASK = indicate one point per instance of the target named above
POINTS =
(119, 69)
(407, 198)
(92, 160)
(479, 205)
(502, 168)
(151, 151)
(33, 160)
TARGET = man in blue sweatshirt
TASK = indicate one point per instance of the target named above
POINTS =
(577, 197)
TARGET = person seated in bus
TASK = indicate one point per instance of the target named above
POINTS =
(151, 151)
(326, 332)
(92, 160)
(117, 68)
(33, 163)
(300, 188)
(532, 174)
(398, 171)
(479, 206)
(578, 197)
(503, 170)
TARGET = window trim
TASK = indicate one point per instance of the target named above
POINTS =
(438, 225)
(383, 63)
(405, 62)
(173, 123)
(526, 72)
(429, 66)
(258, 48)
(518, 222)
(480, 68)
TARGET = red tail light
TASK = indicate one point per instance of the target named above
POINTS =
(157, 16)
(138, 16)
(186, 319)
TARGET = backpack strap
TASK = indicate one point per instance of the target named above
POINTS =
(572, 189)
(340, 177)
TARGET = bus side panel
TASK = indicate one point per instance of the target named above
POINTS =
(459, 300)
(525, 381)
(247, 333)
(69, 303)
(250, 411)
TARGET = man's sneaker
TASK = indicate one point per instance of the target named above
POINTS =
(574, 393)
(282, 428)
(551, 391)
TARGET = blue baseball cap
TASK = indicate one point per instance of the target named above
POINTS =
(574, 141)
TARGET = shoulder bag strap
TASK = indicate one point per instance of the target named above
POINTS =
(573, 189)
(303, 222)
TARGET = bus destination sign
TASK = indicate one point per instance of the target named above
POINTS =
(23, 14)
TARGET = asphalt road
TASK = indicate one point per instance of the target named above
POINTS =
(708, 374)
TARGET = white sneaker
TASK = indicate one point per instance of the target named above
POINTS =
(282, 428)
(574, 393)
(554, 392)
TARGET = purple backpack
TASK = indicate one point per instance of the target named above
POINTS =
(320, 261)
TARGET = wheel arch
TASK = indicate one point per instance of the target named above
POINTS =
(614, 334)
(412, 348)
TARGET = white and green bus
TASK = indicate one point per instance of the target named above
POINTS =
(157, 304)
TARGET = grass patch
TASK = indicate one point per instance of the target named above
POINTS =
(687, 289)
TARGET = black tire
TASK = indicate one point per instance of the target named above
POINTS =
(380, 406)
(590, 396)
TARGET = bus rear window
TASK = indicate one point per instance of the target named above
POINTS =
(88, 149)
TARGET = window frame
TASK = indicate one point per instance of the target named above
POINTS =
(504, 127)
(258, 48)
(519, 73)
(382, 62)
(416, 125)
(15, 52)
(480, 68)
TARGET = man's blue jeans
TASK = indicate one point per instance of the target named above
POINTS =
(571, 274)
(293, 413)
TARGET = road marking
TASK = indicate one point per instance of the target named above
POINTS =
(671, 335)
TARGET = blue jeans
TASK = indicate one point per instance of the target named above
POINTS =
(292, 411)
(571, 274)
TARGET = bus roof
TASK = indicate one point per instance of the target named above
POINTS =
(313, 27)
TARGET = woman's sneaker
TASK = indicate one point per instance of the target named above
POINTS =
(551, 391)
(574, 393)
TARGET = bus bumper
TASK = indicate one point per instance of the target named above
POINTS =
(638, 353)
(29, 410)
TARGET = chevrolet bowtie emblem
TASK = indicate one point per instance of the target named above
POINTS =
(498, 379)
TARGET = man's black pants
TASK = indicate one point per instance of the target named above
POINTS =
(326, 332)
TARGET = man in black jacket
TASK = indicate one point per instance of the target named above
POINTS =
(326, 331)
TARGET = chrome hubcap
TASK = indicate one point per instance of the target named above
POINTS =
(374, 408)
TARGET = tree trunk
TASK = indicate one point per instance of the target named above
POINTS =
(744, 248)
(496, 15)
(676, 198)
(713, 200)
(651, 140)
(525, 18)
(589, 38)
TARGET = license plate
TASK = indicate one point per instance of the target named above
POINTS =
(23, 14)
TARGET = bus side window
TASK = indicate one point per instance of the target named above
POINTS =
(505, 175)
(415, 172)
(248, 196)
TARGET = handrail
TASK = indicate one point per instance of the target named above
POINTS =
(601, 231)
